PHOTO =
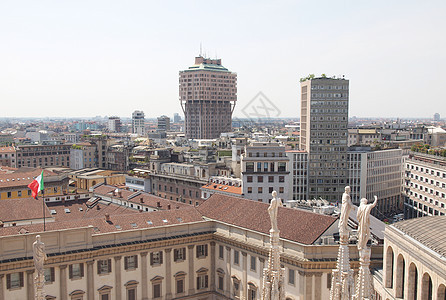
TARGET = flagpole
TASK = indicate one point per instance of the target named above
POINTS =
(43, 205)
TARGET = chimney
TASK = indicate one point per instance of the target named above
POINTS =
(158, 204)
(141, 199)
(107, 217)
(168, 206)
(98, 207)
(120, 194)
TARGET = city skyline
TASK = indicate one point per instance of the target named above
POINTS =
(106, 58)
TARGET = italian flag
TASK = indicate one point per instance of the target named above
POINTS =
(36, 185)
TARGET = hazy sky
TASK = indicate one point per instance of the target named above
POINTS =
(88, 58)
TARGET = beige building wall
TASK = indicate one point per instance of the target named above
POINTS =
(311, 264)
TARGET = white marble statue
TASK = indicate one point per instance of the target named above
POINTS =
(363, 216)
(345, 211)
(273, 209)
(39, 255)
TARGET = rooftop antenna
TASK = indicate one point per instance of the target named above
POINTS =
(200, 50)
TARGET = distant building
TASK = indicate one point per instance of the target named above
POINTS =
(436, 117)
(15, 185)
(70, 137)
(424, 185)
(208, 92)
(361, 137)
(82, 156)
(138, 126)
(324, 120)
(43, 155)
(164, 123)
(376, 173)
(298, 174)
(8, 157)
(264, 170)
(176, 118)
(114, 124)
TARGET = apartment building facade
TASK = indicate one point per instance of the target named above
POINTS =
(324, 120)
(376, 173)
(43, 155)
(265, 168)
(424, 185)
(298, 174)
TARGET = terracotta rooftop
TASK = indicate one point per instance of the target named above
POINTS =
(21, 209)
(19, 178)
(149, 199)
(223, 188)
(7, 149)
(121, 222)
(294, 224)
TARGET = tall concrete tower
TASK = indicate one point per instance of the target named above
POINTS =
(138, 123)
(208, 92)
(324, 134)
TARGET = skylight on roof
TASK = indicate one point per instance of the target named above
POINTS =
(180, 220)
(67, 210)
(134, 225)
(81, 209)
(149, 222)
(53, 211)
(118, 227)
(165, 221)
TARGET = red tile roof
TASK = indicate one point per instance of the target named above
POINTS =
(19, 178)
(294, 224)
(223, 188)
(116, 223)
(149, 199)
(22, 209)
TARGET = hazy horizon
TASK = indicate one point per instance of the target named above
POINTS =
(111, 58)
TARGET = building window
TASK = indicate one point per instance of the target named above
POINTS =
(281, 189)
(270, 178)
(249, 179)
(14, 280)
(105, 292)
(76, 271)
(281, 178)
(236, 257)
(19, 194)
(49, 275)
(249, 190)
(259, 178)
(291, 274)
(252, 291)
(104, 266)
(179, 254)
(253, 263)
(260, 190)
(202, 279)
(179, 282)
(131, 287)
(221, 279)
(202, 251)
(156, 258)
(131, 262)
(156, 286)
(220, 251)
(236, 289)
(270, 189)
